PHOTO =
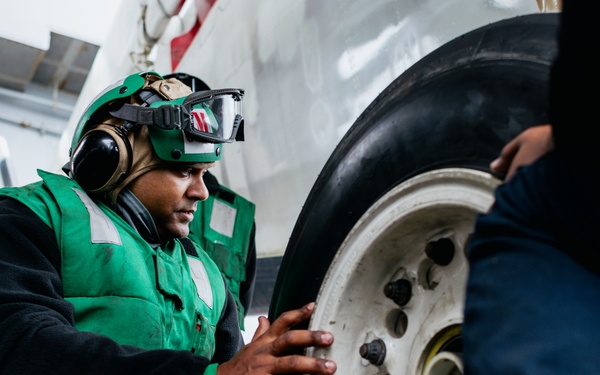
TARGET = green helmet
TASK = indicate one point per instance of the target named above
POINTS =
(172, 123)
(183, 126)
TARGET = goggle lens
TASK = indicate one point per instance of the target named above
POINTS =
(214, 119)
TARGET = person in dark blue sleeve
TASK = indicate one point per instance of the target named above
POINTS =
(534, 268)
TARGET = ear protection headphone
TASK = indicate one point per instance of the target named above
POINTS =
(102, 159)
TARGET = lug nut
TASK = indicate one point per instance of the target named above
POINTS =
(398, 291)
(373, 351)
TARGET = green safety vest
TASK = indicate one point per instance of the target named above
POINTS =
(222, 226)
(119, 285)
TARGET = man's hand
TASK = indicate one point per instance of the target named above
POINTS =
(268, 352)
(524, 149)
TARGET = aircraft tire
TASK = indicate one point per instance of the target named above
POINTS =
(436, 127)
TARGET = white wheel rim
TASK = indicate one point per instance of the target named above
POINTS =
(388, 243)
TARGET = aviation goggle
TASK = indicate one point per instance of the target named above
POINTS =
(213, 116)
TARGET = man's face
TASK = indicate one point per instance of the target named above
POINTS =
(171, 195)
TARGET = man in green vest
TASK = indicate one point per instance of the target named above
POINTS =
(97, 274)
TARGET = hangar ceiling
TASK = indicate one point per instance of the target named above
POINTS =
(64, 66)
(39, 87)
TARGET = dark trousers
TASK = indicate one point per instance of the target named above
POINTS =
(533, 292)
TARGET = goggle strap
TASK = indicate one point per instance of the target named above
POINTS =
(165, 117)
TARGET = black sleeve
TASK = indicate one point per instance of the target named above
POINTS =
(37, 333)
(247, 286)
(574, 73)
(228, 337)
(574, 78)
